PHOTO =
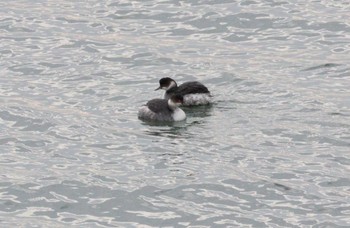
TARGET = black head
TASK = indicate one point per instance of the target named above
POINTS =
(177, 99)
(166, 83)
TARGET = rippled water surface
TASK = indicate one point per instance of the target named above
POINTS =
(272, 151)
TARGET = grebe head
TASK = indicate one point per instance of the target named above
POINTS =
(175, 101)
(166, 83)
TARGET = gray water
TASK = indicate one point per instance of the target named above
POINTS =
(272, 151)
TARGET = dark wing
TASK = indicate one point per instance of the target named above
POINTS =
(158, 105)
(191, 87)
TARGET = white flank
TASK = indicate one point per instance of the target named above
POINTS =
(197, 99)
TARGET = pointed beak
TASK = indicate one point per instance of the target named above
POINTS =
(158, 88)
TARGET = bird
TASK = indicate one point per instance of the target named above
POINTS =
(193, 92)
(163, 110)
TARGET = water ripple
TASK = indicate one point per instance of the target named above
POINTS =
(271, 151)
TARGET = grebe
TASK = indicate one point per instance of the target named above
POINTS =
(194, 93)
(164, 110)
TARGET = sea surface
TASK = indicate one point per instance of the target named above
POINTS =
(273, 150)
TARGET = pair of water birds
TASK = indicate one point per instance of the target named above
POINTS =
(167, 109)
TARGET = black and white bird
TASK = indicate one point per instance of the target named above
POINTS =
(163, 110)
(194, 93)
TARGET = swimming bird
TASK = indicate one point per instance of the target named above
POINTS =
(194, 93)
(163, 110)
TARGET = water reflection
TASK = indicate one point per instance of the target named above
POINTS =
(171, 130)
(202, 111)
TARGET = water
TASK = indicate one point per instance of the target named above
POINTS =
(272, 151)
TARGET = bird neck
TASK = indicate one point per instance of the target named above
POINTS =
(172, 105)
(172, 85)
